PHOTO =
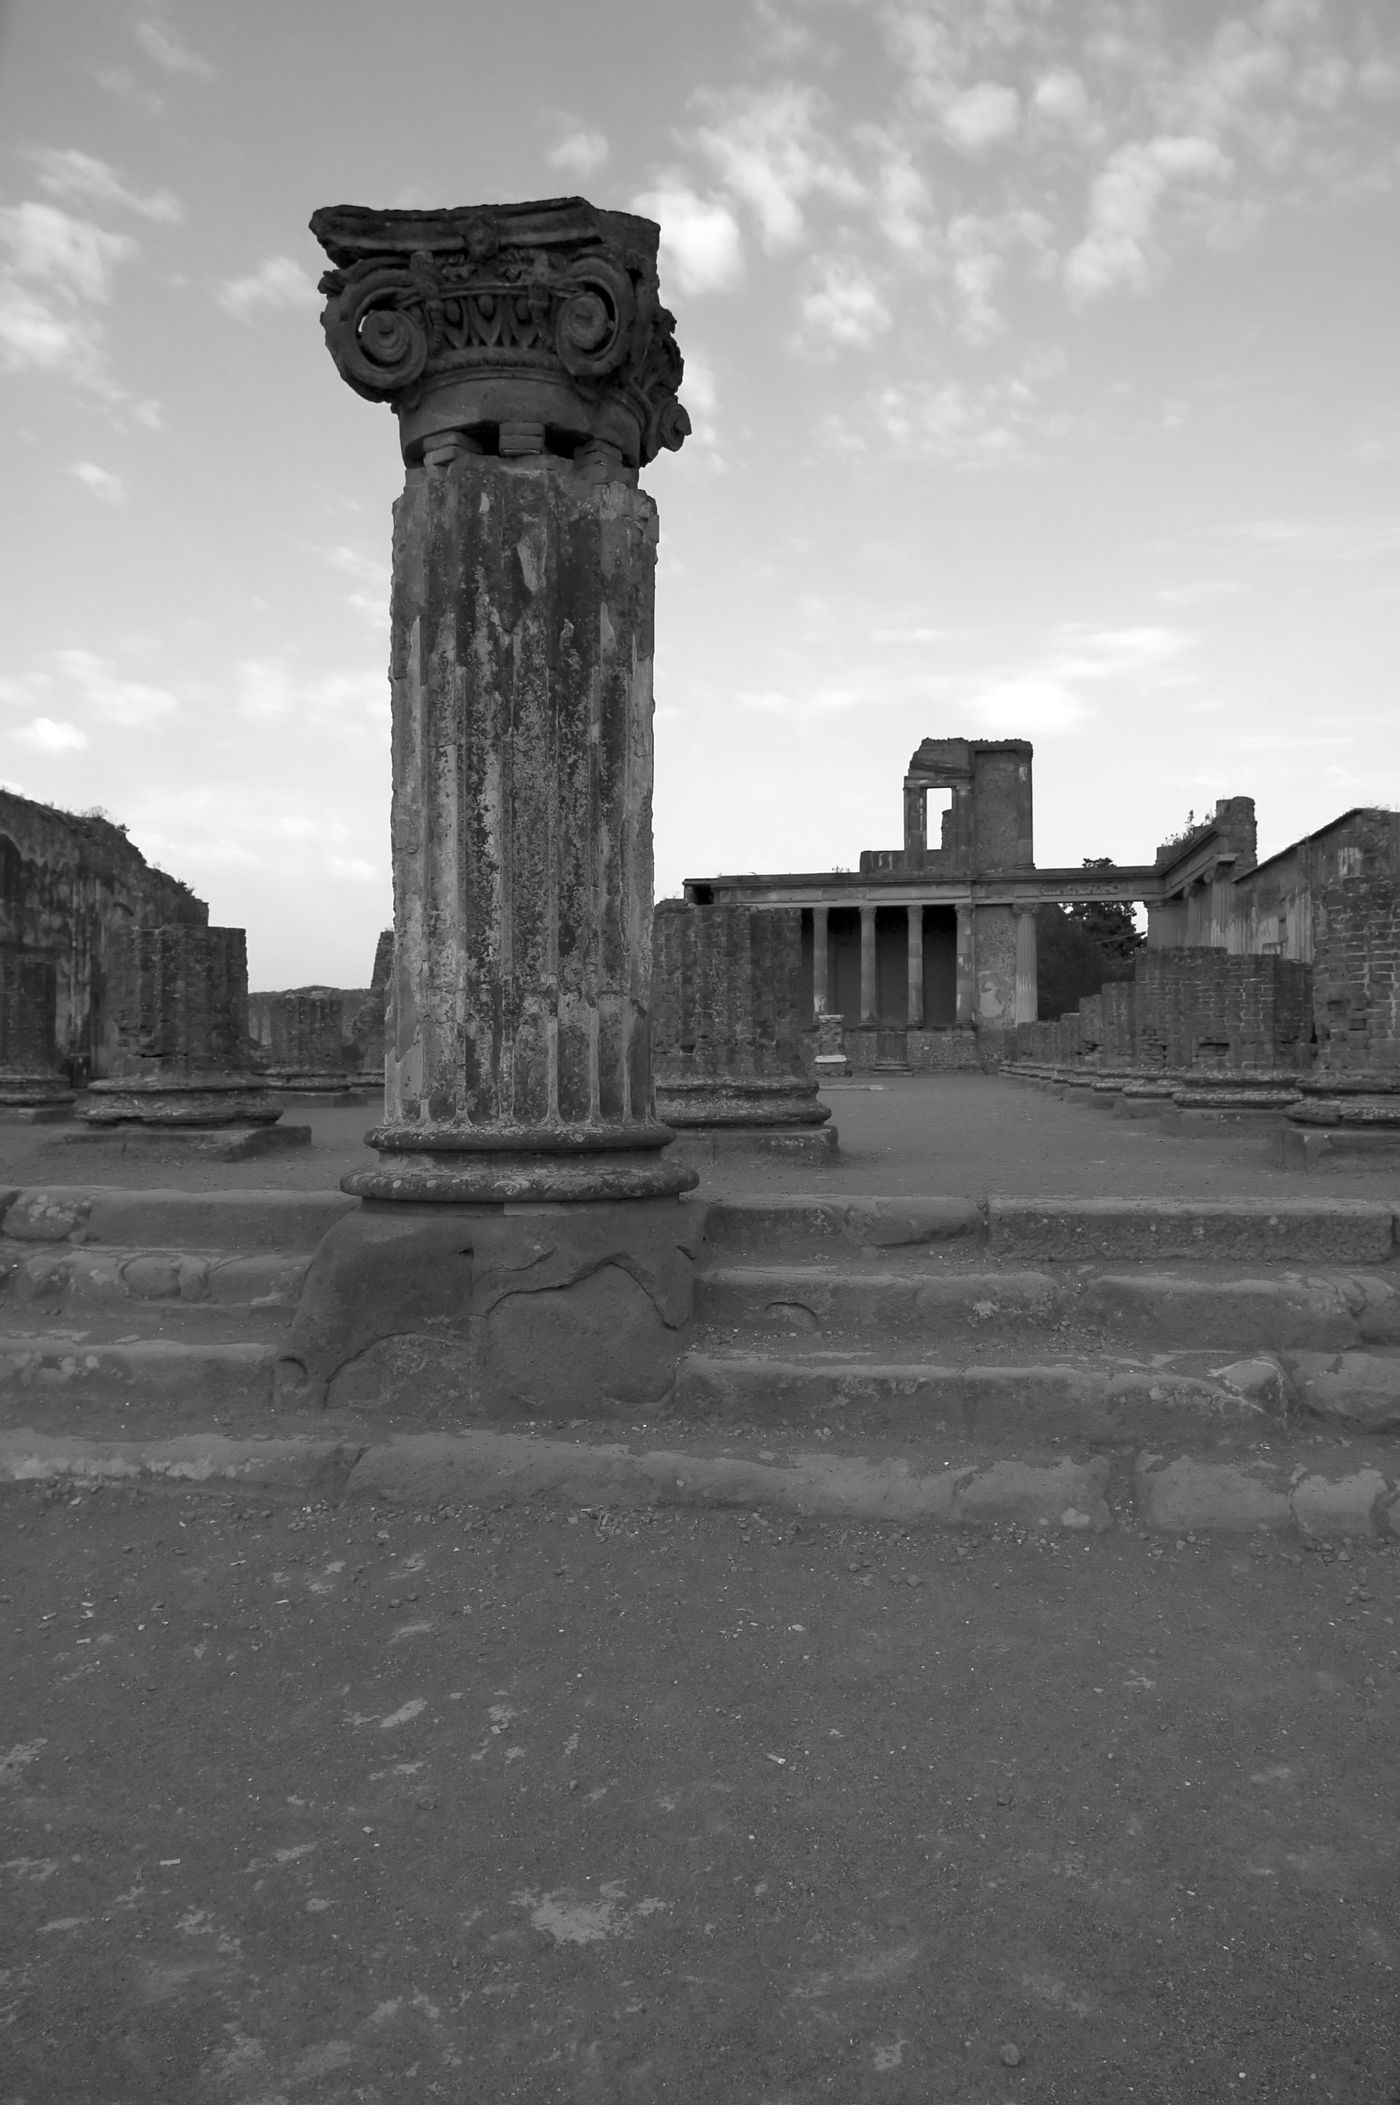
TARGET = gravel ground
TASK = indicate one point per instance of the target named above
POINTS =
(374, 1805)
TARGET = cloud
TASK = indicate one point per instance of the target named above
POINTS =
(47, 736)
(579, 153)
(963, 423)
(269, 690)
(101, 481)
(370, 577)
(1044, 695)
(130, 704)
(1123, 206)
(54, 271)
(768, 150)
(982, 116)
(701, 248)
(978, 246)
(170, 52)
(844, 309)
(74, 175)
(278, 282)
(1062, 97)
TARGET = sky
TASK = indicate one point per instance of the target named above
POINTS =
(1043, 358)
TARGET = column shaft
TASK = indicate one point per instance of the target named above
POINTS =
(916, 967)
(518, 1058)
(867, 966)
(1026, 967)
(967, 969)
(821, 959)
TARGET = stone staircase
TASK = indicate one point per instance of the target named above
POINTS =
(1100, 1343)
(140, 1313)
(1117, 1332)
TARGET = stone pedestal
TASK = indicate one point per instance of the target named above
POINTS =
(533, 372)
(727, 998)
(176, 1044)
(33, 1089)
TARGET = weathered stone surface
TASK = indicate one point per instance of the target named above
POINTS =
(1128, 1230)
(1185, 1495)
(518, 1059)
(506, 328)
(726, 1006)
(176, 1043)
(490, 1311)
(1167, 1308)
(1366, 1112)
(1355, 1388)
(68, 883)
(1347, 1505)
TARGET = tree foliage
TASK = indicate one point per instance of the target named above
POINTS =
(1078, 948)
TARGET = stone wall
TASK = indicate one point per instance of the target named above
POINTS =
(66, 883)
(28, 1006)
(944, 1052)
(1187, 1011)
(1356, 945)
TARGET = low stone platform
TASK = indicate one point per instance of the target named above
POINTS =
(231, 1143)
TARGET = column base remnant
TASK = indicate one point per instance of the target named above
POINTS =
(429, 1314)
(224, 1118)
(34, 1100)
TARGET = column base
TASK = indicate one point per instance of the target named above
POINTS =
(783, 1100)
(181, 1100)
(450, 1165)
(719, 1148)
(35, 1099)
(435, 1314)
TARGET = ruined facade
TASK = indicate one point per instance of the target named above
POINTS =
(929, 949)
(68, 883)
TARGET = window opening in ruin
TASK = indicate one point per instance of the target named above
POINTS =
(938, 803)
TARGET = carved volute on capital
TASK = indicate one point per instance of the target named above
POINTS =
(508, 329)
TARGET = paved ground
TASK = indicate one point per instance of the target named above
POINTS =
(384, 1806)
(921, 1134)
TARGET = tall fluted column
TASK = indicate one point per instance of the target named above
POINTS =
(533, 370)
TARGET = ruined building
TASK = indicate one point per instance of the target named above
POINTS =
(68, 885)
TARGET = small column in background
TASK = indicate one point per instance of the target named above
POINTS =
(727, 1037)
(177, 1051)
(868, 987)
(305, 1058)
(1027, 995)
(916, 967)
(966, 970)
(821, 960)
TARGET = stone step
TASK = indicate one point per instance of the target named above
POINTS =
(1276, 1231)
(235, 1223)
(44, 1379)
(57, 1275)
(1167, 1401)
(978, 1310)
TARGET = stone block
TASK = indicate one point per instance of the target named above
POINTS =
(1063, 1494)
(1278, 1314)
(444, 1311)
(1184, 1496)
(1351, 1505)
(1357, 1389)
(1334, 1231)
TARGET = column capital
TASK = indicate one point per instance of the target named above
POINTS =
(523, 328)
